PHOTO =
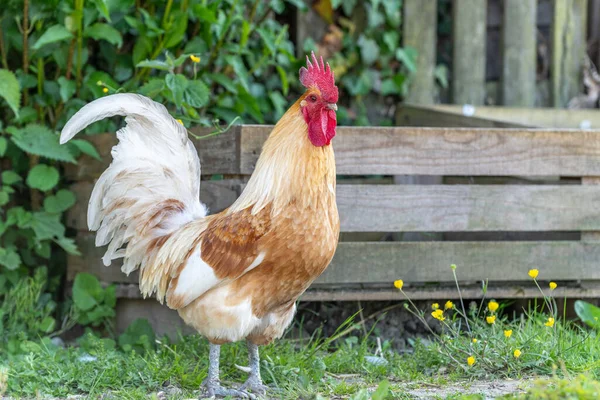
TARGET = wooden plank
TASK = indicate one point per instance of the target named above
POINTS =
(356, 263)
(450, 151)
(218, 154)
(467, 208)
(552, 118)
(454, 117)
(568, 49)
(591, 235)
(469, 58)
(519, 53)
(416, 262)
(419, 32)
(217, 195)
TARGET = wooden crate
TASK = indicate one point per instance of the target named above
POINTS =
(365, 270)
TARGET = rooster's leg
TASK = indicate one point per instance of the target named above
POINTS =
(212, 383)
(254, 382)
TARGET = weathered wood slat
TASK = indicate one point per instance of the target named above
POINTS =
(417, 262)
(419, 32)
(568, 49)
(450, 116)
(519, 53)
(468, 58)
(451, 151)
(467, 208)
(550, 118)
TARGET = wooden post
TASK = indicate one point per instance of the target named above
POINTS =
(469, 36)
(568, 49)
(519, 53)
(419, 32)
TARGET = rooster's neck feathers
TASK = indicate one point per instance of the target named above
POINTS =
(289, 169)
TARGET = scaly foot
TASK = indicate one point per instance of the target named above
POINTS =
(212, 389)
(254, 383)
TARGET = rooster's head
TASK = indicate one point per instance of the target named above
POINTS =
(318, 104)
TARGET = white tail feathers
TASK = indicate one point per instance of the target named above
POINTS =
(152, 186)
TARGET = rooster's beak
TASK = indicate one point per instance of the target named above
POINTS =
(332, 106)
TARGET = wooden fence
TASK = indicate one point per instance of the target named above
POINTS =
(529, 67)
(555, 219)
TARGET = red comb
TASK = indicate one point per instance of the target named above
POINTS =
(319, 75)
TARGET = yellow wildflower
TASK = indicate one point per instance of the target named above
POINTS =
(471, 360)
(517, 353)
(438, 314)
(180, 121)
(105, 90)
(533, 273)
(491, 319)
(435, 306)
(493, 306)
(448, 305)
(398, 284)
(552, 285)
(474, 340)
(195, 59)
(550, 322)
(508, 333)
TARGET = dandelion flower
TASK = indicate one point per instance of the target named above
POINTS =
(493, 306)
(517, 353)
(471, 360)
(435, 306)
(398, 284)
(438, 314)
(491, 319)
(552, 285)
(180, 121)
(448, 305)
(195, 59)
(105, 90)
(508, 333)
(474, 340)
(533, 273)
(550, 322)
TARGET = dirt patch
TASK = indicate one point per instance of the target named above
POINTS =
(488, 389)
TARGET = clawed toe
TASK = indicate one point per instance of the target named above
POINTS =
(256, 387)
(215, 390)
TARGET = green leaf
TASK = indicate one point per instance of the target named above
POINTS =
(10, 177)
(110, 296)
(408, 57)
(369, 50)
(4, 198)
(9, 258)
(382, 392)
(176, 33)
(43, 249)
(68, 245)
(42, 177)
(10, 91)
(285, 85)
(102, 8)
(588, 313)
(86, 148)
(47, 325)
(87, 291)
(56, 33)
(39, 140)
(67, 88)
(177, 84)
(154, 64)
(141, 49)
(224, 81)
(47, 226)
(61, 201)
(106, 32)
(153, 87)
(196, 94)
(239, 68)
(3, 146)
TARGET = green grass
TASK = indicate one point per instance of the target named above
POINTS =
(303, 369)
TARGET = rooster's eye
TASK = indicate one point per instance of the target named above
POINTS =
(313, 98)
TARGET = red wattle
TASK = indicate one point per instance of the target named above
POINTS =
(321, 127)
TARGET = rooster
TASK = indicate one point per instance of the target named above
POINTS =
(235, 275)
